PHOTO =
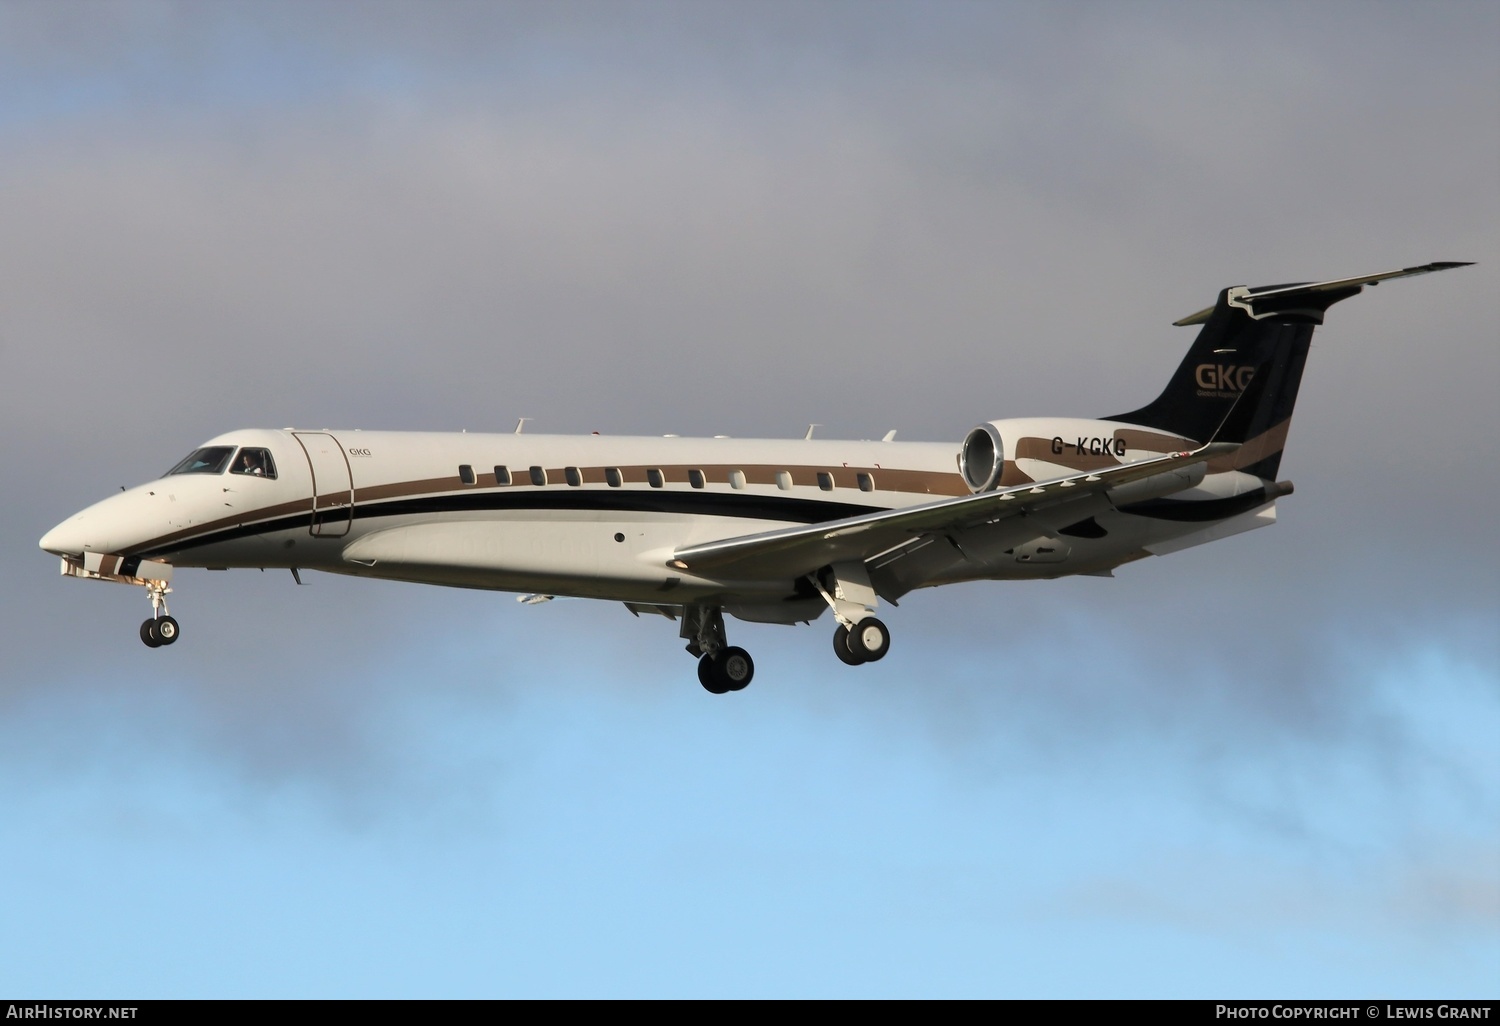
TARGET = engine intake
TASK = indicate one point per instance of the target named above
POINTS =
(982, 458)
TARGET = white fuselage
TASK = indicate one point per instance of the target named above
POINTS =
(600, 517)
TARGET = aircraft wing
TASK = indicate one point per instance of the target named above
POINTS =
(795, 551)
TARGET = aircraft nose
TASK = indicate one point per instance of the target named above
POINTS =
(66, 539)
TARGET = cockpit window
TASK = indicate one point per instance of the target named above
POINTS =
(209, 460)
(256, 462)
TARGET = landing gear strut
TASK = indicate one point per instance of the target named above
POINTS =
(721, 667)
(161, 629)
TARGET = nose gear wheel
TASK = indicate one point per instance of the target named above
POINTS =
(161, 629)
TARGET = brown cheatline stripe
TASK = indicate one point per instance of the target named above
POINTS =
(716, 475)
(267, 513)
(1135, 438)
(406, 489)
(1267, 443)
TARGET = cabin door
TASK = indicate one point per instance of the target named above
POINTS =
(333, 488)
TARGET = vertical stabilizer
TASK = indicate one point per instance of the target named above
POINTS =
(1248, 333)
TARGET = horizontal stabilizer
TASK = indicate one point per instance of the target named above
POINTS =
(1309, 300)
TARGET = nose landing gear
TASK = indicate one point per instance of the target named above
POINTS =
(161, 629)
(158, 632)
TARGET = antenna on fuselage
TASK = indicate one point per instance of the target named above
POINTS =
(521, 423)
(890, 436)
(808, 437)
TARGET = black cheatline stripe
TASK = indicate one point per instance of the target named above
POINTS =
(751, 507)
(1195, 511)
(229, 534)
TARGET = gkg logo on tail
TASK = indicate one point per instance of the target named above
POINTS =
(1221, 381)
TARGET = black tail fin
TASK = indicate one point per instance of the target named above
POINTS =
(1230, 351)
(1239, 424)
(1262, 334)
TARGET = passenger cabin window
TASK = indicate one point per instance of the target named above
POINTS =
(866, 482)
(209, 460)
(825, 480)
(736, 479)
(612, 477)
(784, 480)
(466, 474)
(538, 475)
(255, 462)
(695, 478)
(574, 476)
(654, 478)
(502, 475)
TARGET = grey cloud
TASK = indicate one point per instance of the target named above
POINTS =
(681, 228)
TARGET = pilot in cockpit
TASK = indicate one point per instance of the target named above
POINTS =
(250, 462)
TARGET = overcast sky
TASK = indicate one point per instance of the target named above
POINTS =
(1269, 766)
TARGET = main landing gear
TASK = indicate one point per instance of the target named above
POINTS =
(721, 667)
(161, 629)
(867, 641)
(730, 669)
(860, 638)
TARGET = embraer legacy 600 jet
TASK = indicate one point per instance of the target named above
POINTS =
(772, 531)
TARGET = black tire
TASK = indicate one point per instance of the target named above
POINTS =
(167, 630)
(708, 676)
(870, 639)
(841, 647)
(148, 634)
(735, 668)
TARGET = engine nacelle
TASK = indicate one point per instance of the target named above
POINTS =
(981, 459)
(1019, 450)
